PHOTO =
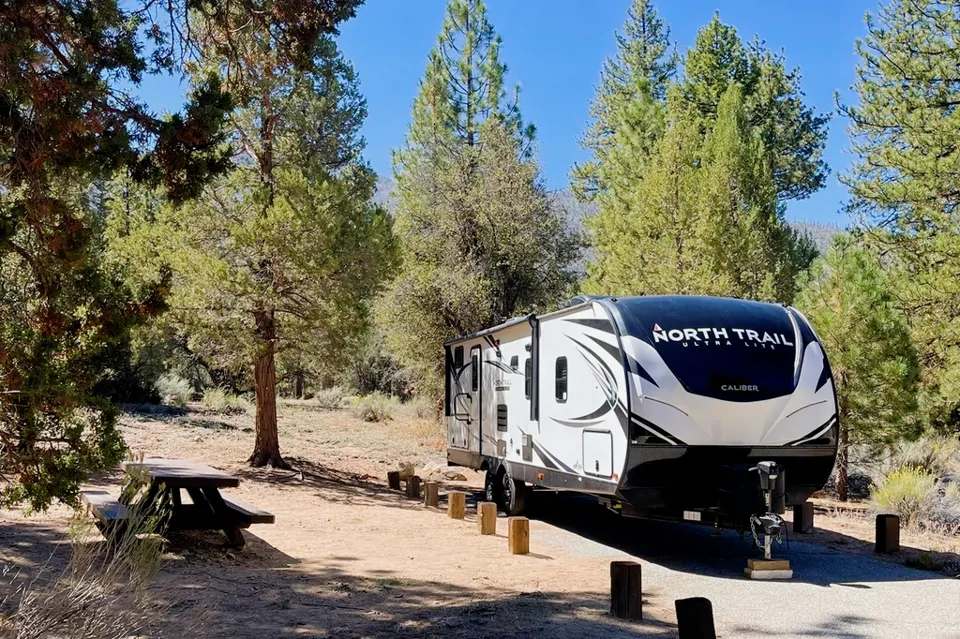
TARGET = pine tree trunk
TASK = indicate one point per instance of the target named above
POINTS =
(842, 464)
(266, 450)
(298, 391)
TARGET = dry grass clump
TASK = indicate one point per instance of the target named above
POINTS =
(375, 407)
(102, 592)
(330, 398)
(173, 390)
(907, 492)
(220, 401)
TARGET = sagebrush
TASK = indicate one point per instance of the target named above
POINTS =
(174, 390)
(220, 401)
(908, 492)
(375, 407)
(330, 398)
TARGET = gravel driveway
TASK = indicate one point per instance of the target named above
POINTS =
(833, 593)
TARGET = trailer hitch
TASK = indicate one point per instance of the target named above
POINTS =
(773, 485)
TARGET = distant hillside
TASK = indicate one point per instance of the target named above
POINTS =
(822, 234)
(577, 213)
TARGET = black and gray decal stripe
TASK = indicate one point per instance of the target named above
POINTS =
(653, 428)
(816, 432)
(824, 376)
(598, 358)
(615, 351)
(501, 366)
(597, 324)
(609, 380)
(550, 461)
(599, 412)
(621, 413)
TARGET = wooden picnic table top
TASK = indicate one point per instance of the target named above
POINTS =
(183, 473)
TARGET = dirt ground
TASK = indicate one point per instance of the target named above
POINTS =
(349, 558)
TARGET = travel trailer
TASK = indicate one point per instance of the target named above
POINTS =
(703, 409)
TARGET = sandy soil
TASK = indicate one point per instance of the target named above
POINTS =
(349, 558)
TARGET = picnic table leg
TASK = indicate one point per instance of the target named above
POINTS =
(223, 512)
(234, 536)
(198, 498)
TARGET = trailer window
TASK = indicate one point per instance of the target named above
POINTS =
(561, 379)
(458, 358)
(527, 377)
(475, 373)
(515, 363)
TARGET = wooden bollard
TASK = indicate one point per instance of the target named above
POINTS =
(413, 487)
(888, 534)
(695, 618)
(393, 480)
(487, 518)
(431, 494)
(457, 504)
(518, 535)
(803, 518)
(626, 600)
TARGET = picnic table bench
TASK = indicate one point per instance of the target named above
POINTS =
(208, 509)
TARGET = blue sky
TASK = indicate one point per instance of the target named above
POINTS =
(555, 48)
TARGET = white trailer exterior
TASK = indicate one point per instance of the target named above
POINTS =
(657, 405)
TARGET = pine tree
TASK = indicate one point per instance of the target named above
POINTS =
(905, 131)
(848, 299)
(285, 253)
(703, 220)
(479, 238)
(793, 136)
(68, 119)
(627, 111)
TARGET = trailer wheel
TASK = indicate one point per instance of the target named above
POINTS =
(492, 488)
(514, 494)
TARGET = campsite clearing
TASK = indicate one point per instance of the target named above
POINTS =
(347, 557)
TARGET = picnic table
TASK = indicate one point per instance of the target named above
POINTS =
(207, 509)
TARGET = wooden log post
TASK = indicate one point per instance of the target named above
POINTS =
(413, 487)
(518, 535)
(888, 534)
(803, 518)
(487, 517)
(626, 600)
(695, 618)
(431, 494)
(393, 480)
(456, 504)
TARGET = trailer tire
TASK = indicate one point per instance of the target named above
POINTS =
(514, 494)
(492, 488)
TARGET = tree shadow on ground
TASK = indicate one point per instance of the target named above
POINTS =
(839, 627)
(337, 486)
(257, 600)
(205, 589)
(700, 550)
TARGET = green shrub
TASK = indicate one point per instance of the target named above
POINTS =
(174, 390)
(422, 408)
(936, 455)
(945, 518)
(330, 398)
(220, 401)
(910, 493)
(375, 407)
